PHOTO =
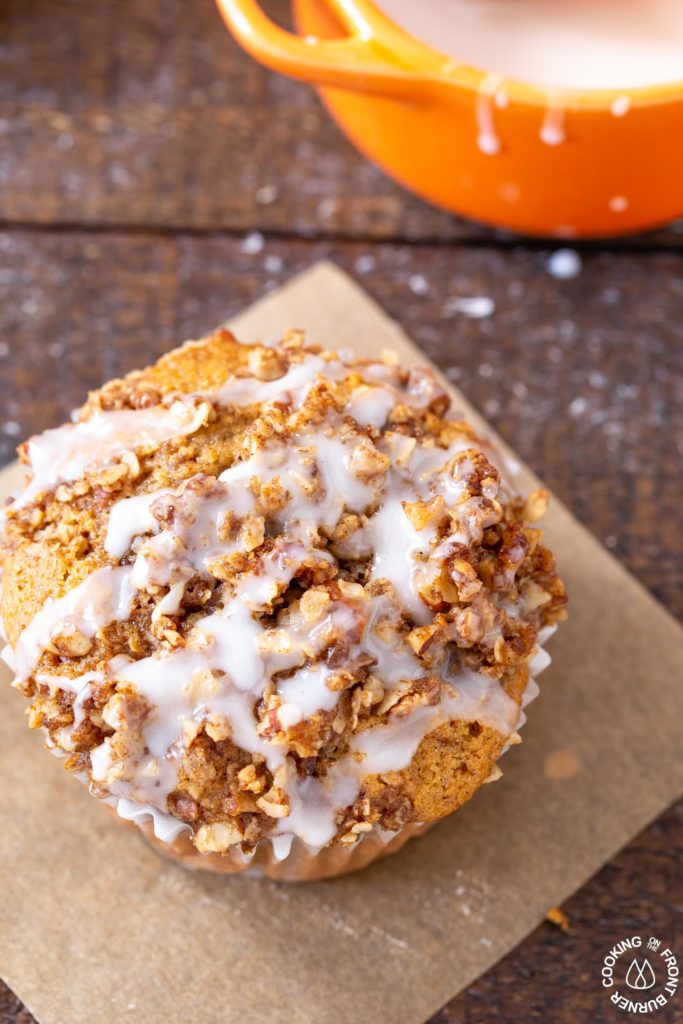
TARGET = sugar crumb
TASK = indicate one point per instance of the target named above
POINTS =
(477, 307)
(253, 243)
(558, 917)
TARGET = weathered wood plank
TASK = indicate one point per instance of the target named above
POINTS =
(129, 112)
(554, 977)
(583, 377)
(145, 112)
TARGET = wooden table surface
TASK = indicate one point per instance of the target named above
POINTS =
(155, 180)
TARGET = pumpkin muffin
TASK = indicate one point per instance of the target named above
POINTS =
(273, 605)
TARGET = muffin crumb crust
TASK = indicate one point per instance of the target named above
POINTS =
(271, 592)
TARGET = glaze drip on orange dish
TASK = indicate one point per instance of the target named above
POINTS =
(272, 592)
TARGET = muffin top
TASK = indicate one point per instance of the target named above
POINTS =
(273, 592)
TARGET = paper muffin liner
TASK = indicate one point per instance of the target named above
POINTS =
(279, 858)
(286, 862)
(301, 864)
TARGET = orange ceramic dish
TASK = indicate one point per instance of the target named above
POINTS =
(585, 163)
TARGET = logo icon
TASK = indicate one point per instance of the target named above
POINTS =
(648, 983)
(640, 976)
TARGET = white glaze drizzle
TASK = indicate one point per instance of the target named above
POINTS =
(225, 666)
(105, 596)
(370, 406)
(292, 387)
(64, 454)
(488, 140)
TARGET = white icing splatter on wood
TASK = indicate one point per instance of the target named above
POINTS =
(564, 264)
(474, 306)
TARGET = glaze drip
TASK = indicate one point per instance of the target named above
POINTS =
(327, 576)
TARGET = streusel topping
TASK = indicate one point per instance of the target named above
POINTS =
(277, 580)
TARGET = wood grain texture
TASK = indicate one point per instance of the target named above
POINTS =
(553, 977)
(583, 377)
(145, 112)
(149, 113)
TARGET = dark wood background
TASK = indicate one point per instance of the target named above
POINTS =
(155, 180)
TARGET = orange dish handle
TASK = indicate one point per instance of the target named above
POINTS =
(359, 61)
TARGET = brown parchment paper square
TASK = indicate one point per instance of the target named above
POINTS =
(95, 928)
